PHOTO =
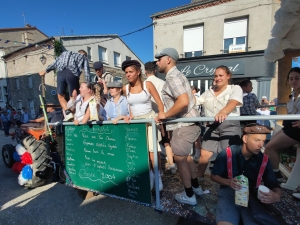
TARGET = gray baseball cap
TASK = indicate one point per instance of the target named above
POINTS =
(169, 52)
(116, 84)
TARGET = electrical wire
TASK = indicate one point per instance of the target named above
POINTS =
(207, 17)
(141, 29)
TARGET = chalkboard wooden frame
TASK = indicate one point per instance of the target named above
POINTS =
(110, 159)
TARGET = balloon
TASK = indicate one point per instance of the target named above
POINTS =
(26, 158)
(20, 149)
(16, 157)
(21, 180)
(27, 172)
(17, 167)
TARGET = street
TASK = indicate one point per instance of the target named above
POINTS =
(56, 203)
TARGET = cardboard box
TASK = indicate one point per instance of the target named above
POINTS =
(242, 195)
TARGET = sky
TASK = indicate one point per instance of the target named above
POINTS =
(90, 17)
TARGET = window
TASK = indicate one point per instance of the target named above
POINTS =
(128, 58)
(20, 104)
(1, 95)
(17, 82)
(117, 59)
(89, 53)
(235, 35)
(102, 54)
(193, 41)
(30, 81)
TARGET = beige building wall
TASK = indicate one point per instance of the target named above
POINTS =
(168, 32)
(22, 64)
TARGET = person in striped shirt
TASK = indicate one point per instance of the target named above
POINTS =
(69, 66)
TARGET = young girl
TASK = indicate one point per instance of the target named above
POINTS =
(221, 101)
(81, 104)
(138, 95)
(290, 133)
(116, 108)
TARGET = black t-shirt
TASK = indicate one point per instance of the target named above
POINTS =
(249, 168)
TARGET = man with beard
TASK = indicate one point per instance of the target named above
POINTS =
(179, 102)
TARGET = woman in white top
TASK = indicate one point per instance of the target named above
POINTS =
(290, 133)
(138, 95)
(81, 104)
(221, 101)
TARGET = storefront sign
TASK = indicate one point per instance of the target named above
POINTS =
(204, 69)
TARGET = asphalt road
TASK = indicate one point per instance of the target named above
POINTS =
(56, 203)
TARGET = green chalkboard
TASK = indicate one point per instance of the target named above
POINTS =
(109, 158)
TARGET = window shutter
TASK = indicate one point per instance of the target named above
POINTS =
(236, 28)
(193, 39)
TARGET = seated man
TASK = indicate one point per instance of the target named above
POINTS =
(247, 160)
(53, 115)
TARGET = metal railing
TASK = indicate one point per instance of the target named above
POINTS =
(194, 119)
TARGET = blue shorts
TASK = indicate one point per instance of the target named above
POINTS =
(67, 78)
(228, 211)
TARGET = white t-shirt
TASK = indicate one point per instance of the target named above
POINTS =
(263, 113)
(293, 106)
(80, 108)
(214, 104)
(158, 84)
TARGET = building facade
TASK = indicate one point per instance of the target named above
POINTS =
(12, 39)
(110, 49)
(207, 31)
(23, 79)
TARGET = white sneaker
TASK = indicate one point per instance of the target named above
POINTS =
(184, 199)
(198, 190)
(69, 117)
(161, 173)
(152, 179)
(160, 184)
(296, 195)
(173, 168)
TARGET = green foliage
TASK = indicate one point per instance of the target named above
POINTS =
(58, 48)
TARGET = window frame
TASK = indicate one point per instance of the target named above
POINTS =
(17, 82)
(30, 81)
(117, 64)
(234, 39)
(105, 54)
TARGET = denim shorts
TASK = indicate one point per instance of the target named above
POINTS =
(228, 211)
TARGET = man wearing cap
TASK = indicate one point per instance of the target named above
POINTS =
(246, 159)
(69, 65)
(100, 74)
(179, 102)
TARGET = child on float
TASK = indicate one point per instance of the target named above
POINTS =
(289, 135)
(220, 101)
(250, 101)
(138, 95)
(81, 105)
(116, 108)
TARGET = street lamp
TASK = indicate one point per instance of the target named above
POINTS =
(43, 59)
